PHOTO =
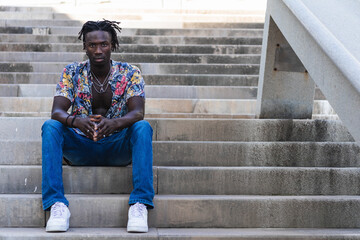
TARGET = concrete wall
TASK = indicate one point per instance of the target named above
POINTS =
(324, 36)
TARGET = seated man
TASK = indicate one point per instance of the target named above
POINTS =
(105, 127)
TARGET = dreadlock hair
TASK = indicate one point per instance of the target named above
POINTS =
(105, 25)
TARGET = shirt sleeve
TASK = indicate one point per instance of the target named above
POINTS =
(136, 86)
(65, 87)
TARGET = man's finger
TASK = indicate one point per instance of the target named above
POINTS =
(95, 118)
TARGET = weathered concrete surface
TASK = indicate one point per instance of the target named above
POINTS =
(146, 68)
(257, 211)
(76, 233)
(283, 92)
(183, 234)
(324, 47)
(165, 91)
(192, 180)
(257, 233)
(192, 211)
(152, 91)
(63, 19)
(28, 209)
(132, 39)
(166, 115)
(152, 105)
(208, 130)
(194, 153)
(258, 181)
(156, 6)
(135, 48)
(173, 153)
(250, 130)
(83, 180)
(42, 105)
(159, 79)
(132, 57)
(55, 27)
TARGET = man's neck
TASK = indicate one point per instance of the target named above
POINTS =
(100, 71)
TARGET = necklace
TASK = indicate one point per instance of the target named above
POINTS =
(100, 85)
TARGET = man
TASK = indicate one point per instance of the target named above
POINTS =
(105, 127)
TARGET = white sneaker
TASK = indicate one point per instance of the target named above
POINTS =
(137, 218)
(59, 218)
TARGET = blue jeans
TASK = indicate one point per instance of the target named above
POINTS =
(131, 145)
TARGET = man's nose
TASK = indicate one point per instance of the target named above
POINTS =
(98, 49)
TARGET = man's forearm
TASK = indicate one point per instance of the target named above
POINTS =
(63, 117)
(129, 119)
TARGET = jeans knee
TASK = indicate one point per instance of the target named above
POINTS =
(51, 124)
(142, 127)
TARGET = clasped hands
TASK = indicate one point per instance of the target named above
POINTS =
(96, 127)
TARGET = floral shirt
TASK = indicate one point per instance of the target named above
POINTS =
(75, 84)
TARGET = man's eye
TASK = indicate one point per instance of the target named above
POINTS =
(104, 44)
(91, 45)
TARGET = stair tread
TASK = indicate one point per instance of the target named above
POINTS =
(182, 233)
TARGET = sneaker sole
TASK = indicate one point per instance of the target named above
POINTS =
(137, 229)
(57, 228)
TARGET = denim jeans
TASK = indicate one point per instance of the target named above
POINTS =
(131, 145)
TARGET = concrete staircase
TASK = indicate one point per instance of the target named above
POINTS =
(218, 173)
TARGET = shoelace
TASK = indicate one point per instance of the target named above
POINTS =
(57, 210)
(137, 210)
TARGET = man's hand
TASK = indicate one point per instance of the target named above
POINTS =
(59, 112)
(103, 126)
(87, 126)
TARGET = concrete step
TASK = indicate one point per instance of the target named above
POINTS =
(258, 181)
(216, 24)
(166, 115)
(192, 180)
(152, 91)
(193, 211)
(184, 234)
(160, 105)
(26, 9)
(146, 68)
(132, 57)
(41, 27)
(83, 180)
(179, 115)
(130, 39)
(228, 6)
(153, 105)
(101, 8)
(196, 153)
(176, 115)
(158, 79)
(259, 130)
(74, 18)
(46, 27)
(135, 48)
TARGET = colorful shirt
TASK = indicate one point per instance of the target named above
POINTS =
(75, 84)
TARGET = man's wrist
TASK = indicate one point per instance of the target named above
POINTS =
(118, 123)
(73, 122)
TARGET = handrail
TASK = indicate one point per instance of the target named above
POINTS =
(332, 47)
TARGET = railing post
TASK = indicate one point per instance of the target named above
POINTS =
(285, 88)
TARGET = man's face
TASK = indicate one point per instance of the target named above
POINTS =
(98, 47)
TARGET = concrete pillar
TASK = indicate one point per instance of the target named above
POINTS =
(285, 89)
